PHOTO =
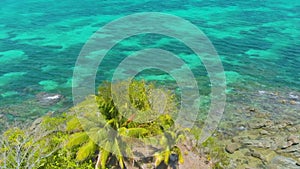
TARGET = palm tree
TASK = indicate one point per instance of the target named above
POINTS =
(107, 128)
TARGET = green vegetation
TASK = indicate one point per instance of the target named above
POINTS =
(100, 132)
(216, 153)
(30, 147)
(104, 131)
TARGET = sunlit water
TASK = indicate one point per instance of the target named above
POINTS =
(40, 40)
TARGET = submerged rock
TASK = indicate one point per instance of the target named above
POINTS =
(293, 96)
(48, 99)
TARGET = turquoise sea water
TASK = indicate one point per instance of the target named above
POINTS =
(40, 40)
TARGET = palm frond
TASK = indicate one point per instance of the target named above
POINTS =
(133, 132)
(99, 135)
(86, 151)
(159, 157)
(167, 154)
(118, 153)
(73, 125)
(104, 156)
(77, 139)
(179, 153)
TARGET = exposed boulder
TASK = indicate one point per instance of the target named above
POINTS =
(232, 147)
(293, 139)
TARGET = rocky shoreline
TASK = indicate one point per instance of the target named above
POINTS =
(258, 129)
(265, 135)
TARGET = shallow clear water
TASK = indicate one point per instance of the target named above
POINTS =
(258, 42)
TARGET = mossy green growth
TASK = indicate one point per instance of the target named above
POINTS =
(216, 154)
